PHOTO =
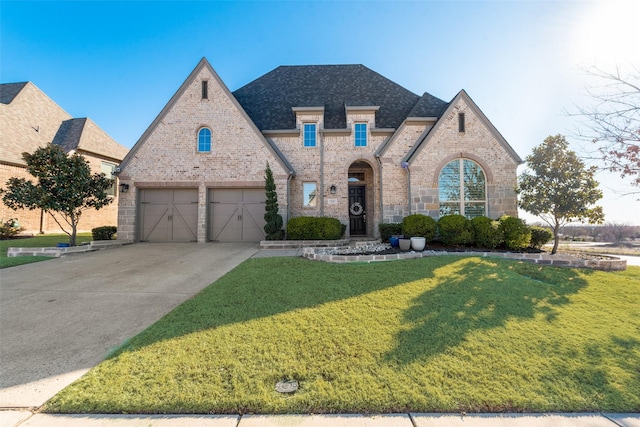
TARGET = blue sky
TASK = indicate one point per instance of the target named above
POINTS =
(523, 62)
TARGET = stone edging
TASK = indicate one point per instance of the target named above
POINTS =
(296, 244)
(55, 252)
(560, 260)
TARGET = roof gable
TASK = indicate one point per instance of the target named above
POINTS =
(202, 65)
(8, 91)
(462, 95)
(269, 99)
(83, 134)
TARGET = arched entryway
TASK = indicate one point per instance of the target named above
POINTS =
(361, 197)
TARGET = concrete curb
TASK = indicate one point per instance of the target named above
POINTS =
(56, 252)
(28, 419)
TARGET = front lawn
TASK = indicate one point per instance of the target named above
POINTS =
(439, 334)
(41, 240)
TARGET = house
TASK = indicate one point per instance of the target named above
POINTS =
(342, 141)
(30, 119)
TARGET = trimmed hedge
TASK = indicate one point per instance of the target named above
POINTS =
(540, 236)
(388, 230)
(418, 225)
(314, 228)
(487, 232)
(456, 230)
(103, 233)
(517, 234)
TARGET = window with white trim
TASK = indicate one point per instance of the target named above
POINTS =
(462, 189)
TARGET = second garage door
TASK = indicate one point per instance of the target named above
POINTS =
(237, 215)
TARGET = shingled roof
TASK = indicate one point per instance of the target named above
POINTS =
(8, 91)
(269, 99)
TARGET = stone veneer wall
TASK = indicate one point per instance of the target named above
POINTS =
(476, 143)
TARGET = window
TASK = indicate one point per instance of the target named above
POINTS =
(205, 89)
(309, 191)
(309, 135)
(204, 140)
(108, 169)
(360, 134)
(460, 122)
(462, 189)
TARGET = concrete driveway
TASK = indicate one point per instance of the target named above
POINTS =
(59, 318)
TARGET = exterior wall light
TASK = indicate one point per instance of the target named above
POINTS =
(333, 189)
(124, 188)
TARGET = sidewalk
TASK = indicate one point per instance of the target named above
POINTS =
(27, 419)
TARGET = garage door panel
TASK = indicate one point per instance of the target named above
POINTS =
(168, 215)
(237, 215)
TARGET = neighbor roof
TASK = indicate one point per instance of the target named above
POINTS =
(8, 91)
(269, 99)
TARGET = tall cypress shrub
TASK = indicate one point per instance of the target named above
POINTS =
(273, 227)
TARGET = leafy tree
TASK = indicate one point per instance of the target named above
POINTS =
(65, 186)
(612, 123)
(273, 227)
(558, 187)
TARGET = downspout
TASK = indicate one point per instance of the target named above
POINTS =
(405, 165)
(321, 173)
(286, 226)
(380, 184)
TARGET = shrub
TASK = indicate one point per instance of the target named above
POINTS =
(388, 230)
(418, 225)
(516, 234)
(486, 232)
(540, 236)
(103, 233)
(314, 228)
(456, 230)
(273, 220)
(9, 229)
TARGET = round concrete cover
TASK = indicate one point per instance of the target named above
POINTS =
(287, 386)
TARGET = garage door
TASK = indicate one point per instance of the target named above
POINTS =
(168, 215)
(237, 215)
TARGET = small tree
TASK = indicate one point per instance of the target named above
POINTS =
(273, 227)
(65, 186)
(558, 187)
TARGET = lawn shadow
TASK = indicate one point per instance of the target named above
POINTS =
(264, 287)
(474, 297)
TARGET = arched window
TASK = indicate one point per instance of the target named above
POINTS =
(462, 189)
(204, 140)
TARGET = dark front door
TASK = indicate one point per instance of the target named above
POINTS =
(357, 213)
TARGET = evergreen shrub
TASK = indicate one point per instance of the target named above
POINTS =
(455, 230)
(540, 236)
(105, 232)
(517, 234)
(418, 225)
(388, 230)
(314, 228)
(487, 232)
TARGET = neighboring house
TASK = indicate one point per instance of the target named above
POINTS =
(342, 141)
(30, 119)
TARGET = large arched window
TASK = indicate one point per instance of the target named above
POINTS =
(204, 140)
(462, 189)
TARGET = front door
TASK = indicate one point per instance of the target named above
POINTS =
(357, 213)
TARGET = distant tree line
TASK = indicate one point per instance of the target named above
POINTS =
(610, 232)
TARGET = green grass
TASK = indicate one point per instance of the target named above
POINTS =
(440, 334)
(43, 240)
